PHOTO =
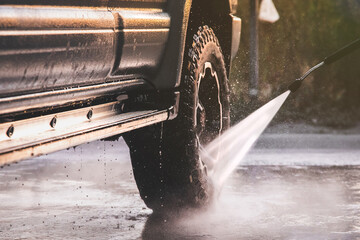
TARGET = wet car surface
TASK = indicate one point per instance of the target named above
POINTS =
(280, 192)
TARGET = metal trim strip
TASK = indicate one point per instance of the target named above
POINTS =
(60, 144)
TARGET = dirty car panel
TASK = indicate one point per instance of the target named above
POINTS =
(60, 60)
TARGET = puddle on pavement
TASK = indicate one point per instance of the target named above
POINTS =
(88, 193)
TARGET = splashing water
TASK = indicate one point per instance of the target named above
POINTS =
(226, 152)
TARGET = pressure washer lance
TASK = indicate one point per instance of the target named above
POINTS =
(328, 60)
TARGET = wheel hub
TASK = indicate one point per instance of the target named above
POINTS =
(208, 106)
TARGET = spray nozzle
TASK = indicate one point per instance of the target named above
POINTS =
(297, 83)
(294, 86)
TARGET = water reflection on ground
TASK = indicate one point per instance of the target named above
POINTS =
(90, 193)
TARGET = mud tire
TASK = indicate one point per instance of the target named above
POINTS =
(165, 157)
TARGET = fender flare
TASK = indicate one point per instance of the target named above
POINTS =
(194, 13)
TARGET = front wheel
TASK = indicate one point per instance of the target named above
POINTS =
(165, 157)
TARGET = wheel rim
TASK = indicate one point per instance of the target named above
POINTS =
(209, 109)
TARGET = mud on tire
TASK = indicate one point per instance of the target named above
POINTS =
(165, 157)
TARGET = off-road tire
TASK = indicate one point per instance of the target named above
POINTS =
(165, 157)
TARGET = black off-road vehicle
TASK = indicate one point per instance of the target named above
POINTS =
(155, 71)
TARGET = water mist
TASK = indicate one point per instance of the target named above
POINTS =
(224, 153)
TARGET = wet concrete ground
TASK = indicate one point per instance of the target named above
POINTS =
(291, 186)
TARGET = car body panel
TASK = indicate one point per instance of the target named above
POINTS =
(46, 48)
(141, 37)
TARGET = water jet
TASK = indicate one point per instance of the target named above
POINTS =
(224, 153)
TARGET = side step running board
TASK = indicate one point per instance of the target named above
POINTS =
(45, 134)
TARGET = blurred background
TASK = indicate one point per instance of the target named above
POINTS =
(305, 34)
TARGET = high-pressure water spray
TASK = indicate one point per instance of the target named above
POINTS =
(328, 60)
(233, 145)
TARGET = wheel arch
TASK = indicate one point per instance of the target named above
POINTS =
(215, 14)
(185, 16)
